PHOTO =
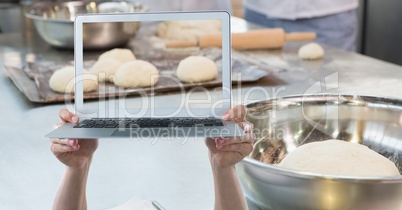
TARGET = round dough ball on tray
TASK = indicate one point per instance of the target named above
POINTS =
(63, 81)
(196, 69)
(122, 55)
(105, 69)
(311, 51)
(336, 157)
(136, 73)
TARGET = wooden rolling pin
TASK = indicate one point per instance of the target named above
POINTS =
(255, 39)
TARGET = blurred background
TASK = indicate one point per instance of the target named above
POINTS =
(379, 30)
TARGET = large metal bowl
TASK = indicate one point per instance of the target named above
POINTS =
(283, 124)
(55, 23)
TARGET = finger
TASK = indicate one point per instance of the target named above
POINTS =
(70, 142)
(57, 125)
(246, 126)
(67, 116)
(237, 113)
(58, 149)
(220, 140)
(243, 148)
(249, 138)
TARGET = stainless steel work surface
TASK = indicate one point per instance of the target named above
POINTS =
(175, 173)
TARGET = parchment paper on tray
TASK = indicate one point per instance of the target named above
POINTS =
(166, 63)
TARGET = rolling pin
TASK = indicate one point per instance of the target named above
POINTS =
(255, 39)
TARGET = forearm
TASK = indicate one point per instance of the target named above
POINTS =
(72, 191)
(228, 192)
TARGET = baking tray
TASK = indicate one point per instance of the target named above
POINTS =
(33, 78)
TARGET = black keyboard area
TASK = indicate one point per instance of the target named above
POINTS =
(148, 122)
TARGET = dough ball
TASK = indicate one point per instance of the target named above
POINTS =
(136, 73)
(311, 51)
(336, 157)
(105, 69)
(122, 55)
(196, 69)
(188, 29)
(63, 80)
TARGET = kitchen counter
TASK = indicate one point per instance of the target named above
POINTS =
(174, 173)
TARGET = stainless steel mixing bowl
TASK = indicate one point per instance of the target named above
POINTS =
(282, 124)
(55, 23)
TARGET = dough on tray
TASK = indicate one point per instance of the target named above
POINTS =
(122, 55)
(62, 80)
(105, 69)
(136, 73)
(312, 51)
(188, 29)
(336, 157)
(196, 69)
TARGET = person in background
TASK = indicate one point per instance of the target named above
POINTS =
(187, 5)
(224, 153)
(335, 22)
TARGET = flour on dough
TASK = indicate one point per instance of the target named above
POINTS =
(122, 55)
(311, 51)
(196, 69)
(336, 157)
(63, 81)
(136, 73)
(188, 29)
(105, 69)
